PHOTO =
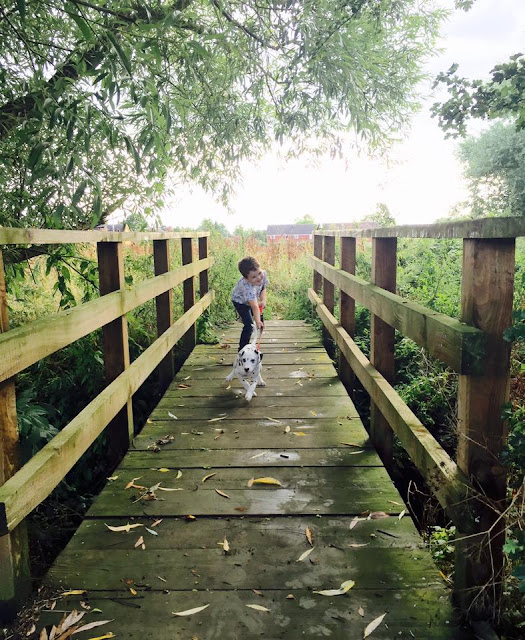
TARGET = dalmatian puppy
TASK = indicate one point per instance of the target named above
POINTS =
(247, 368)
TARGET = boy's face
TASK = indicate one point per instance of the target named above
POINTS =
(255, 277)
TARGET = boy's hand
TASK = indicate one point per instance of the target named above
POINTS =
(259, 324)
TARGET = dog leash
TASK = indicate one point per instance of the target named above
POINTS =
(260, 330)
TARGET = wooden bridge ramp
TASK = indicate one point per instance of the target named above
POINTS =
(303, 431)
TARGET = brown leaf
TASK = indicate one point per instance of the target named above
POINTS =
(157, 522)
(258, 593)
(241, 509)
(139, 542)
(309, 535)
(361, 612)
(290, 596)
(267, 480)
(377, 515)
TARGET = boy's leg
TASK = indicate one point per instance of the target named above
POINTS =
(245, 312)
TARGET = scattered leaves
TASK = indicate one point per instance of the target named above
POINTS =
(309, 535)
(290, 596)
(157, 522)
(377, 515)
(190, 612)
(354, 522)
(299, 433)
(345, 586)
(172, 416)
(400, 516)
(357, 545)
(210, 475)
(140, 543)
(287, 429)
(74, 592)
(163, 470)
(361, 612)
(273, 420)
(225, 545)
(266, 480)
(126, 527)
(221, 493)
(373, 625)
(217, 419)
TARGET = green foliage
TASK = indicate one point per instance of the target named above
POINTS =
(34, 424)
(494, 164)
(306, 219)
(109, 106)
(441, 546)
(499, 97)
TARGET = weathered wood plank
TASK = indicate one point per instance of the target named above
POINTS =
(164, 308)
(347, 310)
(25, 345)
(243, 410)
(178, 458)
(444, 478)
(12, 235)
(269, 358)
(422, 613)
(504, 227)
(458, 345)
(35, 481)
(315, 403)
(273, 371)
(219, 387)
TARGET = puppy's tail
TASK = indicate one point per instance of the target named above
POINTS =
(254, 334)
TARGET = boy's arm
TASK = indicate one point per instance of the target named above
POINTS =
(263, 297)
(256, 313)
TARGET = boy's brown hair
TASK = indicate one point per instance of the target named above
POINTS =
(248, 264)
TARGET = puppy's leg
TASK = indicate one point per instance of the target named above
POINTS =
(230, 376)
(251, 391)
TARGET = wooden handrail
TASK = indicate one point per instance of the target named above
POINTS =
(12, 235)
(446, 481)
(25, 345)
(476, 229)
(458, 345)
(38, 477)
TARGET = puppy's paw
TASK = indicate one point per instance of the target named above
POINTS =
(229, 377)
(261, 383)
(249, 396)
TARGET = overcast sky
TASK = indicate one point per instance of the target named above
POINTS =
(422, 179)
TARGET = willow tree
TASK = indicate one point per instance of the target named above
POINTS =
(106, 104)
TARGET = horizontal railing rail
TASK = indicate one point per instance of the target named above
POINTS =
(14, 235)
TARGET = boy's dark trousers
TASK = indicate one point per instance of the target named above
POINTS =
(245, 311)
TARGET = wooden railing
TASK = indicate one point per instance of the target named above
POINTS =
(473, 490)
(22, 489)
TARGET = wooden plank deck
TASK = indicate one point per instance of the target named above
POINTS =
(303, 430)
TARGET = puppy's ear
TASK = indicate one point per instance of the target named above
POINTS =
(261, 356)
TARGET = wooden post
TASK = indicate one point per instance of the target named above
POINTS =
(116, 346)
(328, 291)
(384, 259)
(15, 582)
(347, 311)
(318, 253)
(203, 276)
(190, 337)
(486, 303)
(161, 259)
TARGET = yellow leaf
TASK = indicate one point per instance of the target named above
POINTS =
(257, 607)
(132, 482)
(169, 489)
(126, 527)
(190, 612)
(221, 493)
(210, 475)
(225, 545)
(149, 421)
(400, 516)
(179, 474)
(164, 470)
(74, 592)
(267, 480)
(112, 478)
(305, 555)
(250, 482)
(105, 636)
(313, 412)
(309, 535)
(345, 586)
(217, 419)
(287, 429)
(299, 433)
(132, 591)
(290, 596)
(273, 420)
(373, 625)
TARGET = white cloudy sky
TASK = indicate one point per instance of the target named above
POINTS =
(423, 178)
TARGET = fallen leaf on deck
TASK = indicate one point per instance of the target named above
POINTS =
(257, 607)
(161, 578)
(345, 586)
(361, 612)
(257, 592)
(250, 482)
(394, 502)
(354, 453)
(190, 612)
(179, 474)
(287, 429)
(172, 416)
(139, 542)
(184, 386)
(400, 516)
(153, 533)
(273, 420)
(299, 433)
(91, 625)
(217, 419)
(190, 518)
(74, 592)
(157, 522)
(149, 421)
(267, 480)
(313, 412)
(354, 522)
(290, 596)
(163, 470)
(356, 545)
(305, 555)
(210, 475)
(105, 636)
(258, 455)
(168, 489)
(241, 509)
(350, 444)
(221, 493)
(228, 387)
(309, 535)
(132, 591)
(112, 478)
(225, 545)
(186, 378)
(132, 482)
(125, 527)
(377, 515)
(373, 625)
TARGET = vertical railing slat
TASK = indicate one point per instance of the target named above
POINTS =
(190, 337)
(347, 310)
(486, 303)
(116, 346)
(164, 307)
(328, 291)
(203, 276)
(318, 253)
(384, 259)
(15, 582)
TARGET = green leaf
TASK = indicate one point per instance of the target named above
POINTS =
(79, 192)
(120, 52)
(35, 155)
(83, 27)
(21, 6)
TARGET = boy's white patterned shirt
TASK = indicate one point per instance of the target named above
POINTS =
(243, 291)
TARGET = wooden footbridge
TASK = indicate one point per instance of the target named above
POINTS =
(276, 519)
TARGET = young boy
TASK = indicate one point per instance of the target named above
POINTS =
(249, 297)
